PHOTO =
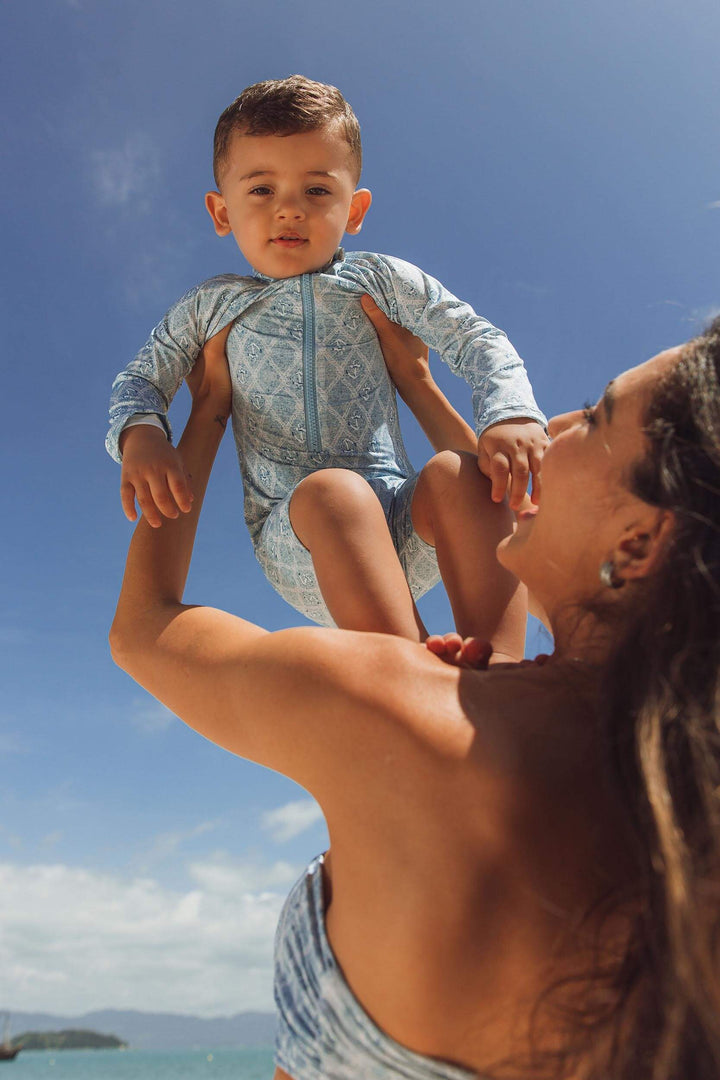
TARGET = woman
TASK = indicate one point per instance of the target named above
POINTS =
(524, 872)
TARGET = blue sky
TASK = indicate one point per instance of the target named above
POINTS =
(556, 164)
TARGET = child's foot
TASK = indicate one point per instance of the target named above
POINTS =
(470, 652)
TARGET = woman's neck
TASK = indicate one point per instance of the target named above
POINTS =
(582, 637)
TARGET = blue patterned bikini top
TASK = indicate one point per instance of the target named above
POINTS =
(324, 1033)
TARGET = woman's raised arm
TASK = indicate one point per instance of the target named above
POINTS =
(293, 700)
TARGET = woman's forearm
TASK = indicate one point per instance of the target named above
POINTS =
(159, 559)
(442, 424)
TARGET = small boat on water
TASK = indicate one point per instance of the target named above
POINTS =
(8, 1052)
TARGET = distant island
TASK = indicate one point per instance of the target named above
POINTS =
(72, 1039)
(159, 1031)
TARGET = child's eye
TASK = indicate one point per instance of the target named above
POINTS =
(260, 190)
(318, 191)
(588, 413)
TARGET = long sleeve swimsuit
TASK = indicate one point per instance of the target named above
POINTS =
(311, 391)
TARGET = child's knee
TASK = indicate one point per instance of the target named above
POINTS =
(332, 495)
(452, 472)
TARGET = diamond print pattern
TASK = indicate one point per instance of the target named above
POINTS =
(359, 427)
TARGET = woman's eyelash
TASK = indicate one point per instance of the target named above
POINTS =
(588, 413)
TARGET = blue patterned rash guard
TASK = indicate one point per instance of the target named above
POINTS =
(311, 391)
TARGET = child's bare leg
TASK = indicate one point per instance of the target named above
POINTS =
(339, 519)
(452, 510)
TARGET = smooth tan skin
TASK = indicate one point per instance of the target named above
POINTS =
(470, 825)
(287, 200)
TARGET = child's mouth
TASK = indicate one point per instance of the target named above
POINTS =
(289, 241)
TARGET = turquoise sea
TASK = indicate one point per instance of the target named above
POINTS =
(139, 1065)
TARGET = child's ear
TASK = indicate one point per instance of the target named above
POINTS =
(216, 208)
(359, 207)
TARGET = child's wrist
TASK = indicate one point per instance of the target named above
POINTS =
(138, 432)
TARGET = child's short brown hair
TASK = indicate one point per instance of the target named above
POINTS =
(285, 107)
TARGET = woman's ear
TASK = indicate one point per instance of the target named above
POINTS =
(359, 207)
(216, 208)
(642, 547)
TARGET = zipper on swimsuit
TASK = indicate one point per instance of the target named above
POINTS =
(312, 419)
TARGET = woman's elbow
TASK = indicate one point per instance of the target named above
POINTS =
(121, 639)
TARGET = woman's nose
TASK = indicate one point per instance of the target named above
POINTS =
(556, 424)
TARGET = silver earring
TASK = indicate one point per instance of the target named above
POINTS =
(607, 575)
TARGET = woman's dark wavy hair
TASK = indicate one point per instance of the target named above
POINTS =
(661, 710)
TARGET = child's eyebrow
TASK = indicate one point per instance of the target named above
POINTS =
(271, 172)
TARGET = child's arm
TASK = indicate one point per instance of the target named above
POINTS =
(406, 359)
(152, 469)
(512, 438)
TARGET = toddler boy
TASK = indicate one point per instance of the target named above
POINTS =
(343, 528)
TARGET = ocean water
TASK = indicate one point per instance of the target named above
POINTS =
(139, 1065)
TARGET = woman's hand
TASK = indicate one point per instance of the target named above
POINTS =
(209, 379)
(406, 357)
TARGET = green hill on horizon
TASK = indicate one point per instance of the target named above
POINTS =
(71, 1039)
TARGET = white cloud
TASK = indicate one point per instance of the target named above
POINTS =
(288, 821)
(700, 317)
(53, 838)
(166, 844)
(125, 175)
(150, 717)
(75, 940)
(714, 205)
(223, 877)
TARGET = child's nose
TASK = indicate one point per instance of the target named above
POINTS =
(290, 208)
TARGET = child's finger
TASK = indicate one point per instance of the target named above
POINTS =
(163, 497)
(147, 505)
(180, 490)
(499, 472)
(520, 477)
(536, 478)
(127, 498)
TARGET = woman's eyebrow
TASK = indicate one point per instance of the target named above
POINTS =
(608, 400)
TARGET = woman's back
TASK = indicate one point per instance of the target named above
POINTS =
(454, 908)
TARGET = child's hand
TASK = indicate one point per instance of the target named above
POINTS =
(511, 451)
(406, 357)
(153, 473)
(470, 652)
(209, 377)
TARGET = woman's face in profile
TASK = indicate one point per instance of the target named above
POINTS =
(586, 503)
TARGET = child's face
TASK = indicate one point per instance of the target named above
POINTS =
(288, 199)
